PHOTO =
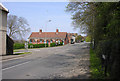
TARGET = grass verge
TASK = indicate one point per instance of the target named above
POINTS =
(22, 53)
(95, 66)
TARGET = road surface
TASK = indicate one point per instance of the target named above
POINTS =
(69, 61)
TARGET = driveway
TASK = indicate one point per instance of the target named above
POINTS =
(66, 62)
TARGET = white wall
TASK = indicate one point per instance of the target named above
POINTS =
(3, 28)
(0, 32)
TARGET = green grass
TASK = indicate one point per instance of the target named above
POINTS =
(95, 66)
(15, 50)
(22, 53)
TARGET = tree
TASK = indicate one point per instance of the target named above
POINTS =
(78, 38)
(17, 27)
(88, 39)
(83, 16)
(101, 22)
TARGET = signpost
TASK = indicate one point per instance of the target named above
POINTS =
(26, 46)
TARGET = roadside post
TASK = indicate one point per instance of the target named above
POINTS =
(26, 46)
(104, 63)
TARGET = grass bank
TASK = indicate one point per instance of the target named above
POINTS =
(95, 66)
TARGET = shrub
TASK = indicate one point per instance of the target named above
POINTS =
(19, 46)
(37, 45)
(95, 66)
(88, 39)
(111, 50)
(54, 44)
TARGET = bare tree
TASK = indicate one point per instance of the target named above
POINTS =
(17, 27)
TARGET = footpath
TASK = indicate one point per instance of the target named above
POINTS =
(14, 56)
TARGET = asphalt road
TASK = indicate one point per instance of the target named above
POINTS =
(69, 61)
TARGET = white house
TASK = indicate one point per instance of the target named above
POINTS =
(3, 28)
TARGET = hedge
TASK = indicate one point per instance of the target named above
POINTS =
(22, 45)
(19, 46)
(37, 45)
(111, 49)
(54, 44)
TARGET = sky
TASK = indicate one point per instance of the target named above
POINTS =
(39, 13)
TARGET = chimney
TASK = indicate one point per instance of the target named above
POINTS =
(40, 31)
(57, 31)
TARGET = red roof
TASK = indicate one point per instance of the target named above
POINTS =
(48, 35)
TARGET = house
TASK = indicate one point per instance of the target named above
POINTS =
(48, 37)
(71, 37)
(6, 43)
(3, 29)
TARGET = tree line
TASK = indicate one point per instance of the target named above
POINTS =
(101, 22)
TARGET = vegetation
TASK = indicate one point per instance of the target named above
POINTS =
(88, 39)
(17, 27)
(19, 46)
(37, 45)
(101, 22)
(22, 45)
(22, 53)
(78, 38)
(95, 66)
(54, 44)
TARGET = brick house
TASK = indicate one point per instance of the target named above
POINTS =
(48, 37)
(71, 37)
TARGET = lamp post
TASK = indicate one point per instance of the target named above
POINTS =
(45, 29)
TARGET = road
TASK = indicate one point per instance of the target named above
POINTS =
(69, 61)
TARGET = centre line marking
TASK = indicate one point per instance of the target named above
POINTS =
(15, 65)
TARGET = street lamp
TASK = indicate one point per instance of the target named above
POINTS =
(45, 29)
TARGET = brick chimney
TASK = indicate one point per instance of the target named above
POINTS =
(57, 31)
(40, 31)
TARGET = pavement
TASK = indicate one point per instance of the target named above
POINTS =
(15, 55)
(64, 62)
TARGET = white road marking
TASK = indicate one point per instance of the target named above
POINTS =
(16, 65)
(11, 59)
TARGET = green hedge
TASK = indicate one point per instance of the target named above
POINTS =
(37, 45)
(22, 45)
(54, 44)
(95, 65)
(19, 46)
(111, 49)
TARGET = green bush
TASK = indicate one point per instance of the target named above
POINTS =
(95, 66)
(37, 45)
(22, 46)
(110, 48)
(88, 39)
(19, 46)
(54, 44)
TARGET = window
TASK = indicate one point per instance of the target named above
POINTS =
(44, 41)
(40, 40)
(47, 41)
(33, 40)
(30, 40)
(51, 41)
